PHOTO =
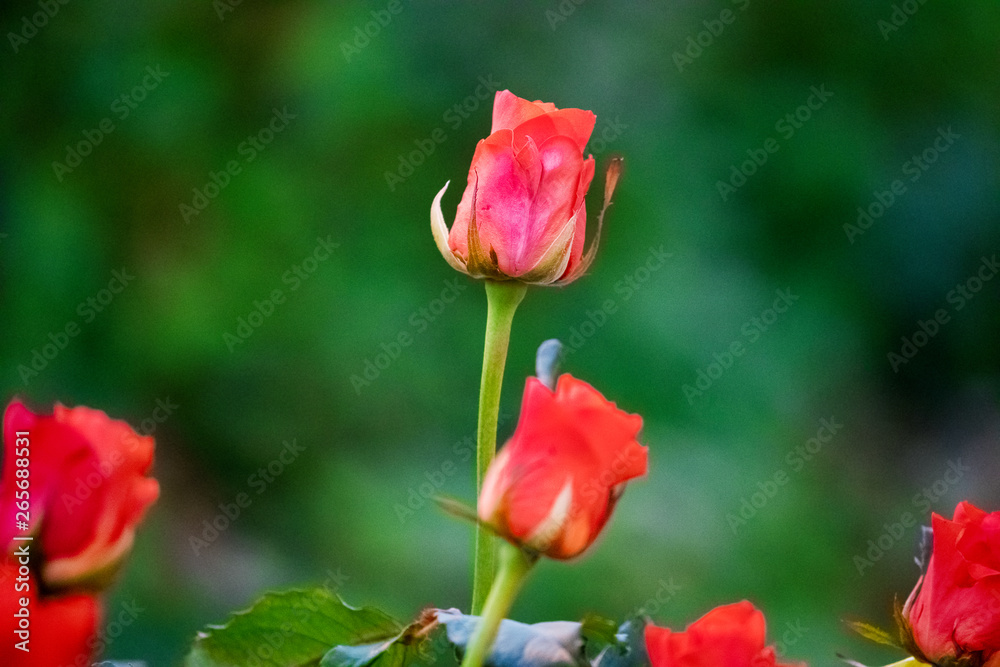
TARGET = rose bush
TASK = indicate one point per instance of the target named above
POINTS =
(554, 485)
(522, 215)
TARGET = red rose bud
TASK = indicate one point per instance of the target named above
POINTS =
(41, 631)
(954, 610)
(553, 486)
(86, 486)
(523, 216)
(728, 636)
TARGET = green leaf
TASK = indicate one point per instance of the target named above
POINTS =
(289, 629)
(392, 653)
(406, 648)
(596, 628)
(872, 633)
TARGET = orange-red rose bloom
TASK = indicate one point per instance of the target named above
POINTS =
(63, 629)
(87, 491)
(522, 215)
(954, 611)
(553, 486)
(728, 636)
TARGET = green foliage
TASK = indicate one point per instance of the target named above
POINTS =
(411, 645)
(290, 629)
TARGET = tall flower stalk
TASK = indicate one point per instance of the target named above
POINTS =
(502, 300)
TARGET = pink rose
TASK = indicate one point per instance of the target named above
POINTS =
(523, 216)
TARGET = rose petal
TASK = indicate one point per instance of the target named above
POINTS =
(503, 202)
(554, 200)
(509, 110)
(575, 124)
(576, 253)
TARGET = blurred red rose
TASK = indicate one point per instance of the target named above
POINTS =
(527, 185)
(87, 488)
(954, 610)
(555, 483)
(728, 636)
(62, 629)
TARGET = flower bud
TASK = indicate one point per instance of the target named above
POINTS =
(953, 613)
(554, 485)
(523, 215)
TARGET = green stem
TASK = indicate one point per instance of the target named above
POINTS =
(502, 299)
(514, 568)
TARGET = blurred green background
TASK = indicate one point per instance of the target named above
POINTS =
(687, 92)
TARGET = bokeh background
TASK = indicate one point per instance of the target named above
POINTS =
(350, 508)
